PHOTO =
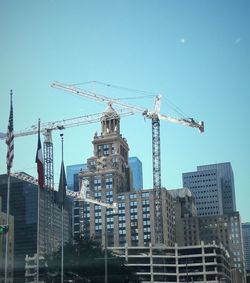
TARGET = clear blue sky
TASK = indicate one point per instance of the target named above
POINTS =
(196, 53)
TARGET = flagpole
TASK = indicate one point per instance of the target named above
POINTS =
(7, 235)
(9, 160)
(38, 221)
(40, 173)
(62, 251)
(38, 234)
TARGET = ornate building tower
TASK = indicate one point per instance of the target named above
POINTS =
(108, 174)
(110, 153)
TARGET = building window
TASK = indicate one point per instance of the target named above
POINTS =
(105, 150)
(99, 150)
(133, 203)
(112, 149)
(109, 181)
(145, 194)
(132, 196)
(121, 197)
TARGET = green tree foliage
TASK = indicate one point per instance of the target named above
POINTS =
(84, 262)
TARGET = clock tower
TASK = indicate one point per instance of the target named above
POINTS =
(107, 175)
(110, 154)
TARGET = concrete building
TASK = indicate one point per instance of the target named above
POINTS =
(134, 224)
(2, 247)
(212, 186)
(192, 229)
(23, 206)
(246, 245)
(109, 179)
(199, 263)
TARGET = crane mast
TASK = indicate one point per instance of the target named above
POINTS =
(155, 117)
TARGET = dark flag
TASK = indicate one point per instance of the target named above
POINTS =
(10, 137)
(39, 161)
(62, 186)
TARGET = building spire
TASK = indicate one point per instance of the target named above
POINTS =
(110, 121)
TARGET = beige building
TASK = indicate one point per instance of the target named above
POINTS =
(110, 180)
(222, 229)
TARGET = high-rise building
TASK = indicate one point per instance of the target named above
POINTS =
(109, 179)
(23, 207)
(72, 176)
(135, 222)
(212, 186)
(192, 229)
(246, 245)
(135, 165)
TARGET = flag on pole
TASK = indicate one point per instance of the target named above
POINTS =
(62, 186)
(39, 161)
(10, 137)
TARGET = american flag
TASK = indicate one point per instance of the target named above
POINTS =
(10, 137)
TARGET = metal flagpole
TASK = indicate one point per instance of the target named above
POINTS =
(40, 171)
(9, 161)
(62, 203)
(38, 220)
(105, 247)
(38, 234)
(7, 234)
(62, 255)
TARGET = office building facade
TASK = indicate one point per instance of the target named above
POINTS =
(23, 207)
(226, 229)
(134, 224)
(246, 245)
(213, 188)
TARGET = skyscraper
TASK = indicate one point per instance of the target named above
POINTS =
(246, 245)
(23, 207)
(109, 179)
(135, 165)
(212, 186)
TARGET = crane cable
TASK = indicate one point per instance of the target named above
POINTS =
(148, 94)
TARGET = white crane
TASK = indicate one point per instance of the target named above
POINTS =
(81, 195)
(155, 116)
(47, 128)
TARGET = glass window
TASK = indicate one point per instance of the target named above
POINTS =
(132, 196)
(105, 149)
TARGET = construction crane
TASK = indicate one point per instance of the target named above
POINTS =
(47, 128)
(81, 195)
(155, 116)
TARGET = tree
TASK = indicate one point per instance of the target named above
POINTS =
(84, 262)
